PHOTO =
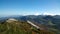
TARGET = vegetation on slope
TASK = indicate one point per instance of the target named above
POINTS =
(20, 27)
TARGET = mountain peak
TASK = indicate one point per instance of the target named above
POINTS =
(11, 20)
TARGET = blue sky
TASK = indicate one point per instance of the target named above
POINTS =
(29, 7)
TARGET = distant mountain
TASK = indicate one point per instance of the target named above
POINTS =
(52, 23)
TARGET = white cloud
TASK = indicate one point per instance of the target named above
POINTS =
(46, 13)
(36, 14)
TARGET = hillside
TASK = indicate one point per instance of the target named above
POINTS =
(14, 26)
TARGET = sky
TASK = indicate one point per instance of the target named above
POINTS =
(29, 7)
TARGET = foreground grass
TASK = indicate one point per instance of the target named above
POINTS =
(18, 27)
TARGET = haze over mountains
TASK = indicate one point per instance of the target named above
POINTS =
(47, 22)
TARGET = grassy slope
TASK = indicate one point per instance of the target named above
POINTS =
(19, 27)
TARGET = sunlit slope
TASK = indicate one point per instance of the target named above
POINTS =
(13, 26)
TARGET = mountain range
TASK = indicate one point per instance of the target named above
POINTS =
(47, 22)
